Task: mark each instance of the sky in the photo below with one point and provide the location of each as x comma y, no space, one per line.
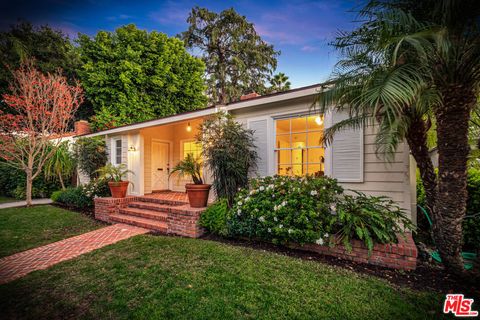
301,30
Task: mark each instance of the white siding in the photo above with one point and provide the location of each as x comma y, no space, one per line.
260,133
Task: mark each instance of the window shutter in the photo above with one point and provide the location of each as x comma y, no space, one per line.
260,134
347,152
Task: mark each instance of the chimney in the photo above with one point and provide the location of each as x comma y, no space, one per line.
249,96
82,127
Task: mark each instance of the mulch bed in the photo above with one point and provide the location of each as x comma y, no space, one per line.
426,277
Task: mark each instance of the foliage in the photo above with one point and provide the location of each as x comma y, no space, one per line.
115,173
82,197
12,183
41,106
91,155
369,219
61,165
27,228
132,75
229,152
279,83
189,167
50,48
284,209
238,61
214,219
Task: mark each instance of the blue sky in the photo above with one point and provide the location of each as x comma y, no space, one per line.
301,30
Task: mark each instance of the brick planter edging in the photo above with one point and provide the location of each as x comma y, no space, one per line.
401,255
105,207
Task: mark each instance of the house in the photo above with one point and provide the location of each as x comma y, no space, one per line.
288,138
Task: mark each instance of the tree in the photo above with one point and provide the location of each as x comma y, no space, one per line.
420,59
50,48
91,155
132,75
42,106
279,83
61,164
230,153
238,61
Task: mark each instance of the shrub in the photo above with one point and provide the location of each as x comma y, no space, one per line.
370,219
229,153
82,196
91,155
284,209
214,219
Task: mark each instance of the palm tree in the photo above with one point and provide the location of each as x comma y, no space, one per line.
279,83
61,164
409,62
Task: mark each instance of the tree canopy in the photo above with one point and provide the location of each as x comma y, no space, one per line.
279,83
238,60
132,75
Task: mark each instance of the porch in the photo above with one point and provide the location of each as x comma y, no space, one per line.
166,212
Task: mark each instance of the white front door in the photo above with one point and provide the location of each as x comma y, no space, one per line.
160,165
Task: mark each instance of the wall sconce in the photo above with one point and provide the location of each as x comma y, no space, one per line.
132,148
319,120
189,128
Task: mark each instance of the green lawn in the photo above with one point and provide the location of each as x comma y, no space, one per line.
157,277
4,199
26,228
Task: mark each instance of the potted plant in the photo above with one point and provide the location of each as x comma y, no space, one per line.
197,191
115,176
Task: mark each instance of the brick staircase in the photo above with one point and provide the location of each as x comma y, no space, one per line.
166,212
147,212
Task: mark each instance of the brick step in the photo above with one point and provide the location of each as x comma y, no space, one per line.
140,222
150,206
144,213
162,201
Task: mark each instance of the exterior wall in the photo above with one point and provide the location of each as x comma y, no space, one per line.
380,177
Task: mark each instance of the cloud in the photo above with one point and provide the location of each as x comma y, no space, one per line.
308,48
119,17
171,13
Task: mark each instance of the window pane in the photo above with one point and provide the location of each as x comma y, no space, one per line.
283,141
118,151
299,140
297,170
299,124
315,169
314,139
284,156
316,155
283,126
299,155
285,170
315,123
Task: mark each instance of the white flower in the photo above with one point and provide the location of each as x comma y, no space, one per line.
275,219
261,219
239,211
275,208
313,192
284,203
325,235
253,192
239,203
269,230
319,241
270,186
247,198
273,196
290,230
261,188
280,226
333,207
256,210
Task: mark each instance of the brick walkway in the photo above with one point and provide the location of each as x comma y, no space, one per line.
20,264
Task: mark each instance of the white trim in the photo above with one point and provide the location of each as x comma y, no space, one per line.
113,150
170,161
270,141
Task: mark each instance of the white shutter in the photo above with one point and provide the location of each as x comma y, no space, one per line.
346,152
260,134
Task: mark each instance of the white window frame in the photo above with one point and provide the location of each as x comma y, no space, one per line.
115,151
290,116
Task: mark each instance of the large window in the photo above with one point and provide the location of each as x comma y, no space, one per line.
118,151
191,147
298,146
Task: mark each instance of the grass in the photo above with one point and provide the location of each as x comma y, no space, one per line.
4,199
157,277
25,228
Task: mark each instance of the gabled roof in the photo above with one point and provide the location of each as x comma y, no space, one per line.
188,115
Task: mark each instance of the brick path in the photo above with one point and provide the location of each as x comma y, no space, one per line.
20,264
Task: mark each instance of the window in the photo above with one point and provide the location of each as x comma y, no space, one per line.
191,147
118,151
297,146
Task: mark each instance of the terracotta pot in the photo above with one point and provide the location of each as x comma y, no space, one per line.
198,194
118,189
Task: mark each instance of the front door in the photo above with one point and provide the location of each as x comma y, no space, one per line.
160,165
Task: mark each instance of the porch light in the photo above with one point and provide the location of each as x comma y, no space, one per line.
132,148
319,120
189,128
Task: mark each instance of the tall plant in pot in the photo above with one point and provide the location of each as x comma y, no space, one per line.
197,191
116,177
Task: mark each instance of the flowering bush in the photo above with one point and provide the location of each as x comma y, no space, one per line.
82,196
285,209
